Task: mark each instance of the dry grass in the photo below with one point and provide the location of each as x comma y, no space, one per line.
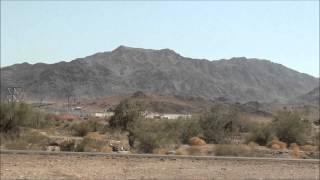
277,144
195,150
95,142
28,140
183,150
161,151
295,150
309,148
196,141
253,145
233,150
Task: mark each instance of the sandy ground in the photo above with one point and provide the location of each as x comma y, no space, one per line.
22,166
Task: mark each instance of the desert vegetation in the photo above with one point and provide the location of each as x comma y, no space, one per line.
14,115
221,131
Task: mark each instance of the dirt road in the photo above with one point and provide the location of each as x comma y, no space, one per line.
59,166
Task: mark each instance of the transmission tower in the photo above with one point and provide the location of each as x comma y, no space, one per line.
14,94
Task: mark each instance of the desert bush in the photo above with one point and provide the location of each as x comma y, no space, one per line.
196,141
194,150
29,140
7,121
219,124
316,139
183,150
289,127
39,119
261,134
233,150
277,144
80,129
95,142
83,128
15,115
309,148
68,146
161,151
253,145
295,150
126,113
188,128
153,134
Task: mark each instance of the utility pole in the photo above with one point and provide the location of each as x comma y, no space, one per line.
68,103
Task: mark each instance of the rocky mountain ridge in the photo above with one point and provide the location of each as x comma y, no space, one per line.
127,70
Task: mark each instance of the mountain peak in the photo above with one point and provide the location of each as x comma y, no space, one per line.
166,51
122,47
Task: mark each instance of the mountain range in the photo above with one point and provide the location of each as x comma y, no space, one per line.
127,70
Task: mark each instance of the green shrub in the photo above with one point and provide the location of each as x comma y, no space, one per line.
29,140
188,128
261,134
151,134
83,128
15,115
219,124
290,128
316,139
125,114
9,121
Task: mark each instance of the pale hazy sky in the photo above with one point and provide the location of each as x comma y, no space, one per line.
285,32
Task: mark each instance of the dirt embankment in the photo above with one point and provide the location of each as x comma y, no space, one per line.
21,166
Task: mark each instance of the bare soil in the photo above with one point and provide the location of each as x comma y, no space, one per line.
22,166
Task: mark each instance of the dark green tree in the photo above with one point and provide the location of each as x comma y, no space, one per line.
126,114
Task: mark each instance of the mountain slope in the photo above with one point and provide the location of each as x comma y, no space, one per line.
311,98
126,70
